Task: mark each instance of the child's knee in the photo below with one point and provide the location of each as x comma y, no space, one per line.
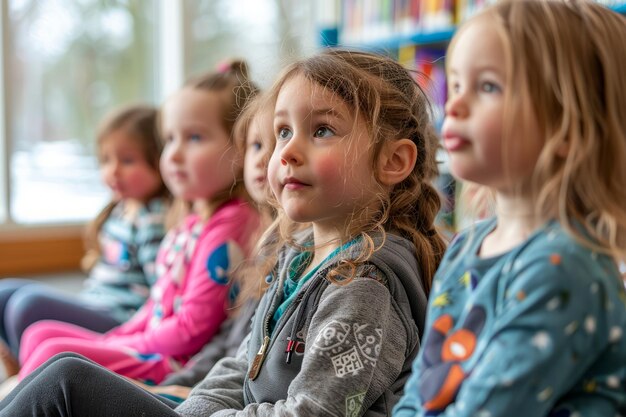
66,365
63,369
22,307
73,368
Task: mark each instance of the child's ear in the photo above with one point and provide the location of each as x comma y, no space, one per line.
397,161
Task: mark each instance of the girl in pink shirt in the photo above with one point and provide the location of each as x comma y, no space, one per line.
203,169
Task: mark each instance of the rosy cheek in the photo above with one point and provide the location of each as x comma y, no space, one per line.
148,175
329,168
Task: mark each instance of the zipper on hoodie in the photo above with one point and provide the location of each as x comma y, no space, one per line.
260,356
258,359
255,369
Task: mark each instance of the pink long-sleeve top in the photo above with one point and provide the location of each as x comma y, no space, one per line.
188,302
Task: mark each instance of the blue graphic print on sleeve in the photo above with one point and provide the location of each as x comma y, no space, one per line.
221,260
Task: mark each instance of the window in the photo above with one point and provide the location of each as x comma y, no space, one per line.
266,33
69,63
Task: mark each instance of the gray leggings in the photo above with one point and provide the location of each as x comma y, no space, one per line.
71,385
24,302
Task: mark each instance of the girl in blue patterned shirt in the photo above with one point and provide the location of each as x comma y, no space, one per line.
527,311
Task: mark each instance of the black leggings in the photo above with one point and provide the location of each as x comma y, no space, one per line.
71,385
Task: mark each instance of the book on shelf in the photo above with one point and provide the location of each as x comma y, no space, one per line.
369,21
436,15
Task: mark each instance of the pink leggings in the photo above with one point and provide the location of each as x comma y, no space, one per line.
46,338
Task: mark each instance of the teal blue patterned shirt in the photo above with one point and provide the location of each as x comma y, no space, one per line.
120,282
536,331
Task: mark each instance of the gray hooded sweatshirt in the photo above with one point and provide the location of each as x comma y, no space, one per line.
337,350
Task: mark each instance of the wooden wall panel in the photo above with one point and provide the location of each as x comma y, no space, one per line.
40,255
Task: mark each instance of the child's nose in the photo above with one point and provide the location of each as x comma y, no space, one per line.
175,150
456,106
261,162
115,168
292,152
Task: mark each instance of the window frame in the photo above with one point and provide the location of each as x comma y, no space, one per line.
5,143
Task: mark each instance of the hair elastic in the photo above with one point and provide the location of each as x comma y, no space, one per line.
223,67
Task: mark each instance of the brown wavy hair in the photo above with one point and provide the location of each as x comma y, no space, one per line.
393,106
565,64
139,122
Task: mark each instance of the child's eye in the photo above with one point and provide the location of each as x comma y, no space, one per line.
256,146
323,132
489,87
454,87
284,133
127,161
195,137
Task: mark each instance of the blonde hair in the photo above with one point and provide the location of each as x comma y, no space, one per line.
385,96
565,64
232,85
139,122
